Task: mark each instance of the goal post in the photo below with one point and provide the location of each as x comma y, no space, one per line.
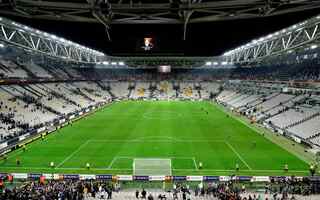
151,166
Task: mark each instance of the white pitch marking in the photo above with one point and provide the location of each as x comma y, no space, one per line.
239,156
112,161
73,153
259,132
155,140
195,163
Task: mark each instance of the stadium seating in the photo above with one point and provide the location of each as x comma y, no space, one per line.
208,89
140,91
119,89
289,113
308,128
10,69
164,90
291,116
32,105
36,71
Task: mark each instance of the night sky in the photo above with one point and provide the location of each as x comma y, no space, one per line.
205,39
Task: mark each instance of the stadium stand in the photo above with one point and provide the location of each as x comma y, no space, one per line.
288,113
47,83
36,71
94,190
9,69
49,101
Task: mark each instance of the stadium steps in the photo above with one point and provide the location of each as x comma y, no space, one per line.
251,103
25,68
58,95
54,72
4,68
266,99
131,89
38,102
103,87
51,71
8,69
234,101
177,90
10,92
281,103
250,98
36,89
111,94
280,111
26,92
67,72
152,89
31,91
78,91
151,92
106,88
199,89
285,109
314,136
25,98
303,120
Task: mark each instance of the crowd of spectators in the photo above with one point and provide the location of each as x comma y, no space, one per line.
279,190
59,190
94,189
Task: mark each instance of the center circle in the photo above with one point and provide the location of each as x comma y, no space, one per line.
162,115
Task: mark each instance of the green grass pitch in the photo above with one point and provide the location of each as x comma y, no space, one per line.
182,131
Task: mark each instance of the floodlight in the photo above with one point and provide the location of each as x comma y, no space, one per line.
208,63
314,46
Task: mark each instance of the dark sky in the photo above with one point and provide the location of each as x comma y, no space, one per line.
205,39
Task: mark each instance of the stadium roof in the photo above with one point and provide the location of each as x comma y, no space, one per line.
229,23
25,37
304,35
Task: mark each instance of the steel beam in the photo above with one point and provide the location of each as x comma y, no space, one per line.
35,40
299,36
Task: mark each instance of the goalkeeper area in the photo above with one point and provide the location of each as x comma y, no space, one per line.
160,137
151,166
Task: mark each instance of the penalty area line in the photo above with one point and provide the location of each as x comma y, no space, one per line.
239,156
73,153
195,163
112,161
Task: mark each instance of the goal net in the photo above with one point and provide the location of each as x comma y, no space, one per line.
151,166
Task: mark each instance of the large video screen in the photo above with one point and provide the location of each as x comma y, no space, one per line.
164,68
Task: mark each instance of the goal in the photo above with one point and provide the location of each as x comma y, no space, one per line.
151,166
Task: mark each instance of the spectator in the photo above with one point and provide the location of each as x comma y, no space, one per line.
143,194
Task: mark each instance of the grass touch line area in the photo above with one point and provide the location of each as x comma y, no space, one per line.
186,132
73,153
285,143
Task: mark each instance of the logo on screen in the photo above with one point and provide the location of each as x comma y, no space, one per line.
148,44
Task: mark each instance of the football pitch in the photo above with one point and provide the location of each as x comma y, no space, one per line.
185,132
